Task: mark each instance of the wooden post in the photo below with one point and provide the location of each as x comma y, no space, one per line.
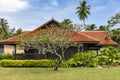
15,51
97,52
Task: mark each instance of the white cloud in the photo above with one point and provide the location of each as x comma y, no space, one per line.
54,2
48,8
98,9
13,5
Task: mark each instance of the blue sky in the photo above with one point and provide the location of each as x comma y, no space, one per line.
29,14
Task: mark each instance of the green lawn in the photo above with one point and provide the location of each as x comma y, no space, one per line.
62,74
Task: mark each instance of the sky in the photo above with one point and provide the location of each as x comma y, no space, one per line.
29,14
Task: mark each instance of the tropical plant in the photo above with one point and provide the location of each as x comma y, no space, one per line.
13,31
109,56
83,10
3,28
67,22
103,28
6,31
115,35
114,20
91,27
84,59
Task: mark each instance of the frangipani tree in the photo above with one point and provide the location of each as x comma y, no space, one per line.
50,40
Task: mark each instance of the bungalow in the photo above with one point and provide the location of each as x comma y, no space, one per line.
91,40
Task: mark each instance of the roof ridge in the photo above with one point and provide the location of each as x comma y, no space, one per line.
89,36
46,23
94,31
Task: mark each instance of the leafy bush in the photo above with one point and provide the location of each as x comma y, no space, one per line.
5,56
85,59
64,64
110,56
28,63
71,63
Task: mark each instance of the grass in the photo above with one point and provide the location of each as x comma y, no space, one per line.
62,74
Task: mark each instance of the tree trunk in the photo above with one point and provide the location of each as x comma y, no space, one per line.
59,62
84,24
63,58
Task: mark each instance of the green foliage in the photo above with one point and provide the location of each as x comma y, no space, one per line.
64,64
91,27
115,35
6,31
5,56
85,59
83,10
67,22
110,56
72,62
28,63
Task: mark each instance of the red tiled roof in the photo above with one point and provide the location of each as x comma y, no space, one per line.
83,38
15,38
100,37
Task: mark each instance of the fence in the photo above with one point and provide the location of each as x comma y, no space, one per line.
31,55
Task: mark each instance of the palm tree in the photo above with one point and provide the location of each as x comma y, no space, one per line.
3,28
83,10
67,22
91,27
3,24
103,28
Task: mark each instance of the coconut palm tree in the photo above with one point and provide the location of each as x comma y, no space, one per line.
3,24
83,10
67,22
103,28
3,28
91,27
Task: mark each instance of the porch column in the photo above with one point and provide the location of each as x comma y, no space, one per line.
14,53
97,52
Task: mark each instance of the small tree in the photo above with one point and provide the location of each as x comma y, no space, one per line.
50,40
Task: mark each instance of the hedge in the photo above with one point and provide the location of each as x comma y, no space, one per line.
28,63
5,56
109,56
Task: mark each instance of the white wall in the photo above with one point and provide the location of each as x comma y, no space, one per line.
8,49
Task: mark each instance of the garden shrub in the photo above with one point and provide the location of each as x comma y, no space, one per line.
0,62
71,63
28,63
5,56
64,64
85,59
110,56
